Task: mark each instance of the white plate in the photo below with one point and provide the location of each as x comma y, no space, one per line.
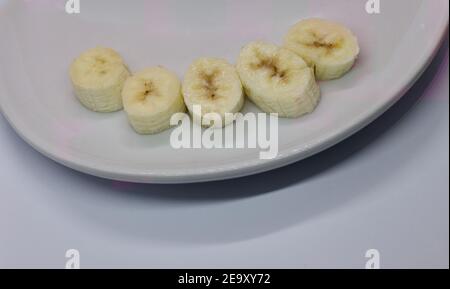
39,40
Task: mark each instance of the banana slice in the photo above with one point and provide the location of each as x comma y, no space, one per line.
277,80
98,76
150,98
214,85
327,46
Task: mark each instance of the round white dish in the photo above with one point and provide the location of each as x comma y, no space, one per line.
39,41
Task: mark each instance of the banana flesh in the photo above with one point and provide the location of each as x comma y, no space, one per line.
327,46
150,98
277,80
214,85
98,76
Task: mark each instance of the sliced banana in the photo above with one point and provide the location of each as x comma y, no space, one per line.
277,80
98,76
214,85
327,46
150,98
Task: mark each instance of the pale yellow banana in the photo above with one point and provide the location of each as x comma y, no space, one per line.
150,98
327,46
277,80
214,85
98,76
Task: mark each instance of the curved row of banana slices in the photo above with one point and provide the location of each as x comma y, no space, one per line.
277,79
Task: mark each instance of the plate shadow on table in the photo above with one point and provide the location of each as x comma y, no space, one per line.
227,211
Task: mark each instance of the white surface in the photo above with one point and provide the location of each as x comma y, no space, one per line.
39,40
387,188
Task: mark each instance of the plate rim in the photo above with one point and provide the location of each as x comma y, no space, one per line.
241,169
